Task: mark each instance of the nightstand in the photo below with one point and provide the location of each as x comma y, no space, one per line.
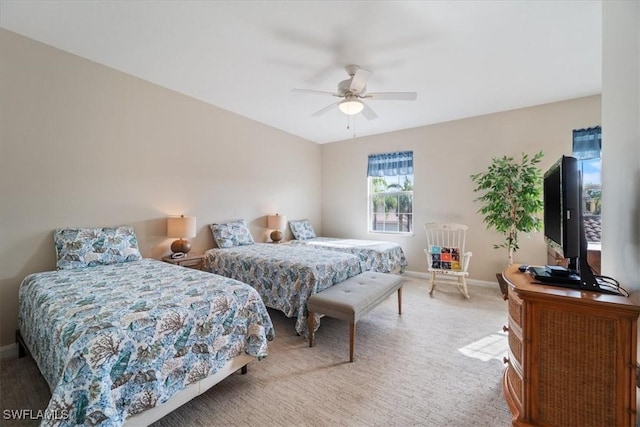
195,261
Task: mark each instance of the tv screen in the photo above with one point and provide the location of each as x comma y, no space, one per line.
562,200
562,194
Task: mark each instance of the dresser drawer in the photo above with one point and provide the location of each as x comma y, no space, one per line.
191,263
515,308
194,261
515,345
515,384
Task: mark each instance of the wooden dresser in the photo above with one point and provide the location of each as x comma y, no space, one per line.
572,355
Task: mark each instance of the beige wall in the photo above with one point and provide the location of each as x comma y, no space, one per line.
85,145
445,155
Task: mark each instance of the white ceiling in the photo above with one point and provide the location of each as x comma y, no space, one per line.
463,58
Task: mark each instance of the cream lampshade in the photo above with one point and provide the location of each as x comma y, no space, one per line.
182,227
276,223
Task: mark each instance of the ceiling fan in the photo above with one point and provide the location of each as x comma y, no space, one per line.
353,91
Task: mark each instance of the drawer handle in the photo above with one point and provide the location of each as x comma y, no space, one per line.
505,329
505,360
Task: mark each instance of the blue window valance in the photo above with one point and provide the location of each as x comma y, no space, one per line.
587,143
389,164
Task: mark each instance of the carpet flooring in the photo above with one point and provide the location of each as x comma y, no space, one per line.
438,364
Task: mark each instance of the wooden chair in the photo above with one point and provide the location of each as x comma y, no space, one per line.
446,253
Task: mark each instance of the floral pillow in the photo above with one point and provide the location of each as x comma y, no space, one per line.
88,247
302,229
232,234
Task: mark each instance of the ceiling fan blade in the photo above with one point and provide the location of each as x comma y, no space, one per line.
359,80
393,96
317,92
325,109
368,113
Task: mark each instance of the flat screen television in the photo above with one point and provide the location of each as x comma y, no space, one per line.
561,189
563,226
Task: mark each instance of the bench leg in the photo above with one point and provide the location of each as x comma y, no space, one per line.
311,324
352,340
400,300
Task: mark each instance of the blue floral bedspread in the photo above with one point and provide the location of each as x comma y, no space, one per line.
115,340
285,276
375,255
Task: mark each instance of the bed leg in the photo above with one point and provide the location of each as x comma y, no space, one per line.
22,348
244,370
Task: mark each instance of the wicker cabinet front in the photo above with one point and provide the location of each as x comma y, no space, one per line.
572,356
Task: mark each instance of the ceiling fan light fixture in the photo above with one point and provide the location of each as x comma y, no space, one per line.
350,106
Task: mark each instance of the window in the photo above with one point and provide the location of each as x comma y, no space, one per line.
587,148
390,183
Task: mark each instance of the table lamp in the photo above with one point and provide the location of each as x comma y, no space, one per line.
182,227
276,223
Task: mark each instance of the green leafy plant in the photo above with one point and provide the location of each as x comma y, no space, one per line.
512,199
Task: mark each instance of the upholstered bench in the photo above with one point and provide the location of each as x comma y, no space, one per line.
352,299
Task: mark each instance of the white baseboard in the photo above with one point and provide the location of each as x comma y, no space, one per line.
473,282
9,351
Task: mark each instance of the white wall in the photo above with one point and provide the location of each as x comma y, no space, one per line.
445,155
85,145
621,142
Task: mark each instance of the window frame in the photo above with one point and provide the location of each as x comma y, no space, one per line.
394,193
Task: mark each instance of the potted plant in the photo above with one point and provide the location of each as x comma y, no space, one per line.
512,199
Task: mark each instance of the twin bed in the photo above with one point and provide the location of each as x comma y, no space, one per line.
286,275
374,255
121,339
